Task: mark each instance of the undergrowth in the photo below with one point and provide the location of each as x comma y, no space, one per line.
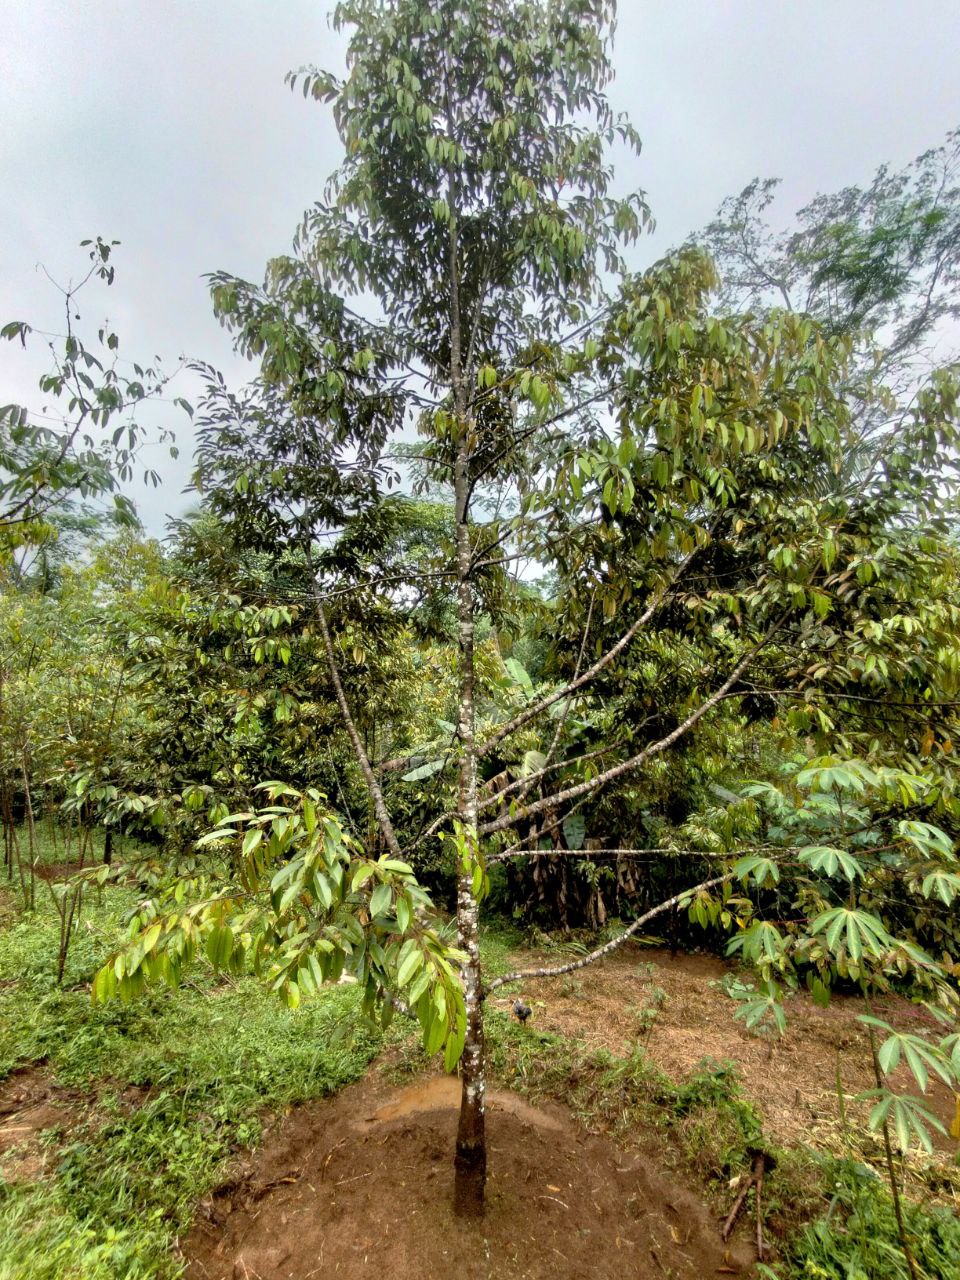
176,1081
857,1239
834,1218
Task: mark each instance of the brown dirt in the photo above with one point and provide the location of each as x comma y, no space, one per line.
30,1104
792,1081
60,871
361,1185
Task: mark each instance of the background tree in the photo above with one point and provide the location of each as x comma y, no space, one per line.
50,461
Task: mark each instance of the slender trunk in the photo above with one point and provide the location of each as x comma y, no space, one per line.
471,1158
6,817
31,834
108,846
891,1169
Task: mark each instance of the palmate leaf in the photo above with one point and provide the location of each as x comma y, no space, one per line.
911,1120
760,1007
858,931
827,773
831,861
927,838
763,871
762,943
944,885
919,1055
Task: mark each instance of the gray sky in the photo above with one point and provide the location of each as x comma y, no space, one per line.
165,124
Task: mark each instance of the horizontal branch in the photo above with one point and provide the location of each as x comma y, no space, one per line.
537,708
627,766
496,797
555,972
620,853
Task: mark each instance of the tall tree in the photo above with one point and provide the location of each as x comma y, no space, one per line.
473,205
669,465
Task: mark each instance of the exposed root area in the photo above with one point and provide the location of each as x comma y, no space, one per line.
362,1185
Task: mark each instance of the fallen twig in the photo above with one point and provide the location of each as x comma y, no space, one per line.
762,1161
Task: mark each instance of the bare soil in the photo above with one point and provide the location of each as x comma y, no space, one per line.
362,1185
30,1106
791,1080
60,871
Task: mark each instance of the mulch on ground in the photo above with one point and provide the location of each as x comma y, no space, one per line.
791,1079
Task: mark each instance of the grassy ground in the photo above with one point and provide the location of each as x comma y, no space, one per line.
173,1085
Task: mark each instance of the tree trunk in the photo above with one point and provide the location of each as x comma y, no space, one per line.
471,1158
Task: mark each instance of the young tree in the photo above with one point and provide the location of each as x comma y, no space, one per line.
670,466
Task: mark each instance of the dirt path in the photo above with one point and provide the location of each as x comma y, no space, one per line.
361,1186
792,1081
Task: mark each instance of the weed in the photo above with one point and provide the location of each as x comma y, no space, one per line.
646,1014
858,1237
570,988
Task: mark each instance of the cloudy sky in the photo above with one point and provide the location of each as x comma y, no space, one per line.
165,124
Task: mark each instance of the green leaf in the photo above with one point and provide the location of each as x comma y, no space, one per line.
533,762
763,870
424,771
574,831
361,875
453,1050
381,899
518,673
404,912
830,861
410,965
944,884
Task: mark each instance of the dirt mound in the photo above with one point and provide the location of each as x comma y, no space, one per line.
362,1185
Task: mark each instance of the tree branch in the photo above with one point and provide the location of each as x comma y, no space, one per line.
529,713
526,974
373,786
626,766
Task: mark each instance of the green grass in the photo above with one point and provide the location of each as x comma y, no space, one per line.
205,1060
857,1238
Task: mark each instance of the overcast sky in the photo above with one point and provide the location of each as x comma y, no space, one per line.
165,124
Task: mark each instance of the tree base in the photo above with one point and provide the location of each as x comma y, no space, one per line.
470,1180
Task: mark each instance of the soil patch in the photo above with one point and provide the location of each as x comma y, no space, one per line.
361,1185
60,871
30,1104
677,1010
